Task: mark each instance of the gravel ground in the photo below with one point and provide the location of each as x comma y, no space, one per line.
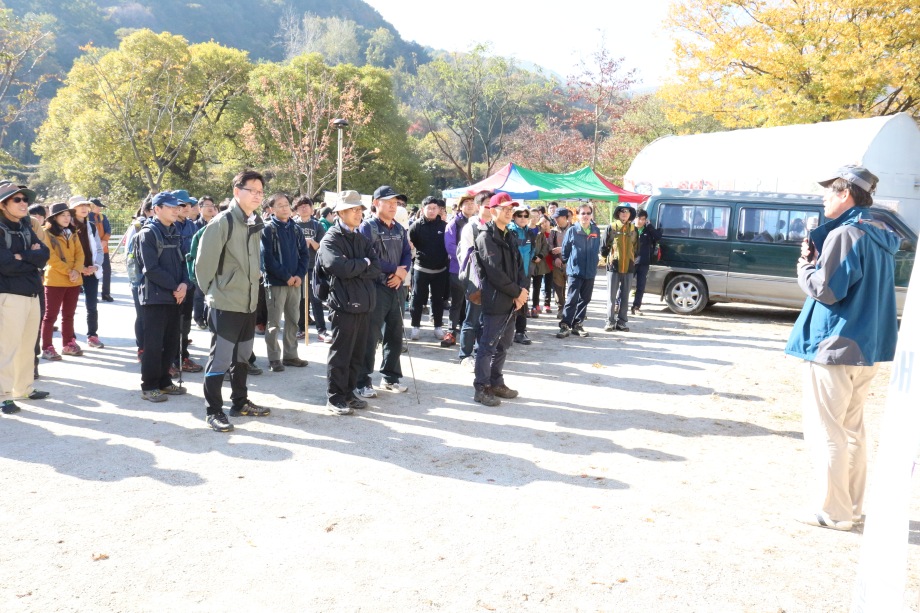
655,470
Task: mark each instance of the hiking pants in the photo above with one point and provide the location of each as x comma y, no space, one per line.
346,354
282,301
576,300
618,286
385,323
161,344
18,323
422,283
232,336
493,349
91,299
61,300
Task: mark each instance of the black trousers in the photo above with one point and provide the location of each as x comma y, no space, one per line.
457,303
187,307
106,275
161,344
385,323
346,354
422,284
641,276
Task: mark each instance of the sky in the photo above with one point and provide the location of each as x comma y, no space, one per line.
557,37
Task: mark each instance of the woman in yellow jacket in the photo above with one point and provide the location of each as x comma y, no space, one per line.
63,280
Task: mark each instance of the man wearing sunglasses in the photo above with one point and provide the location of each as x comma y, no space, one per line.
581,249
22,258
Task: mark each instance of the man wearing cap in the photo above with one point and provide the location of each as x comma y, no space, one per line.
466,250
561,220
504,291
163,291
92,271
22,258
104,231
348,258
847,326
580,250
186,228
619,248
228,267
429,275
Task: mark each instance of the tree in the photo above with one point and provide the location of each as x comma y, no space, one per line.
597,95
547,146
136,115
381,49
24,44
469,102
758,63
297,102
334,38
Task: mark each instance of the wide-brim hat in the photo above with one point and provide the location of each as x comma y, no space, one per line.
56,209
348,199
624,207
76,201
8,189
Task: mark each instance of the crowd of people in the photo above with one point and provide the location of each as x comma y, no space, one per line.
272,265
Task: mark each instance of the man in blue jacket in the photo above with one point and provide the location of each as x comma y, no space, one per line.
581,248
161,294
284,262
186,226
847,326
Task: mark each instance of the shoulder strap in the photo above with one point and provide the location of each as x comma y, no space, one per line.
223,250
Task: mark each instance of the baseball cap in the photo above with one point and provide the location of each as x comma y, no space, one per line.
561,212
8,188
97,202
165,199
857,175
349,199
384,192
501,199
184,197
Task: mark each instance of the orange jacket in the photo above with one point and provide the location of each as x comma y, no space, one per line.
66,255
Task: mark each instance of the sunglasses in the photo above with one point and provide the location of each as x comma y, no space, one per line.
19,199
521,215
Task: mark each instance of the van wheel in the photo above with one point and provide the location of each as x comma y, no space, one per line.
686,295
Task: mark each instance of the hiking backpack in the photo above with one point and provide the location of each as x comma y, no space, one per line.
134,264
193,249
25,233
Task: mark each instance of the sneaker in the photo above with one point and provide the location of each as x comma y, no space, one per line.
50,354
415,334
468,362
301,335
522,338
219,422
189,366
107,298
503,391
578,330
248,408
448,340
94,342
636,311
72,348
339,407
564,331
9,407
821,520
154,396
485,396
609,327
324,337
202,324
439,333
38,395
295,362
275,366
366,392
622,328
253,369
535,312
260,329
173,390
357,403
395,386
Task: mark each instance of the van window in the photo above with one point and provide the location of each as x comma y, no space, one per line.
776,225
694,220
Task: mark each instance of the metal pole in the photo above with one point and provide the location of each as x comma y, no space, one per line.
338,178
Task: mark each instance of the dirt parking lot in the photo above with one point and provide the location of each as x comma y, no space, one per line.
655,470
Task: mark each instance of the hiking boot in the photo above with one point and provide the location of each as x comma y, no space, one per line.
485,396
94,342
564,331
503,391
50,354
415,334
522,338
107,298
609,327
578,330
189,366
366,392
275,366
252,369
173,390
395,386
357,403
448,340
219,422
295,362
72,348
635,311
154,396
248,408
9,407
622,328
301,335
38,395
339,407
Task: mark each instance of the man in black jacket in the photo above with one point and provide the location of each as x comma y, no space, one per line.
22,258
648,247
161,294
430,270
504,291
349,259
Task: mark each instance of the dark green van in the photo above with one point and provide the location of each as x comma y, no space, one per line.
721,246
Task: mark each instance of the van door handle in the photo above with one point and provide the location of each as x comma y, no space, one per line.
739,251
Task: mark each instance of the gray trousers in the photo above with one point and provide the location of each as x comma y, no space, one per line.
618,283
282,300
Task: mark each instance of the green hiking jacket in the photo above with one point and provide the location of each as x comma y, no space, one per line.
236,288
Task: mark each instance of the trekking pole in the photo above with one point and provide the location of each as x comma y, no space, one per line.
501,331
181,340
411,367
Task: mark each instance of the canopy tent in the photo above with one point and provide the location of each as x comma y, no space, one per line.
625,195
526,184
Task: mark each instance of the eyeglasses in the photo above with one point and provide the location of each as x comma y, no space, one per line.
19,199
584,213
254,192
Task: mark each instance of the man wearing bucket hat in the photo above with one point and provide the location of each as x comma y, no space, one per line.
348,259
619,248
92,266
847,326
22,258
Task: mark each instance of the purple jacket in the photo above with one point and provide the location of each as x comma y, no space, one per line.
451,238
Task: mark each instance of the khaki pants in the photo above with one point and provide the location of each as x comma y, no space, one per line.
19,317
832,415
283,301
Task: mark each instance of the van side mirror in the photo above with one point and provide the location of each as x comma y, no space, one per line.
908,245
